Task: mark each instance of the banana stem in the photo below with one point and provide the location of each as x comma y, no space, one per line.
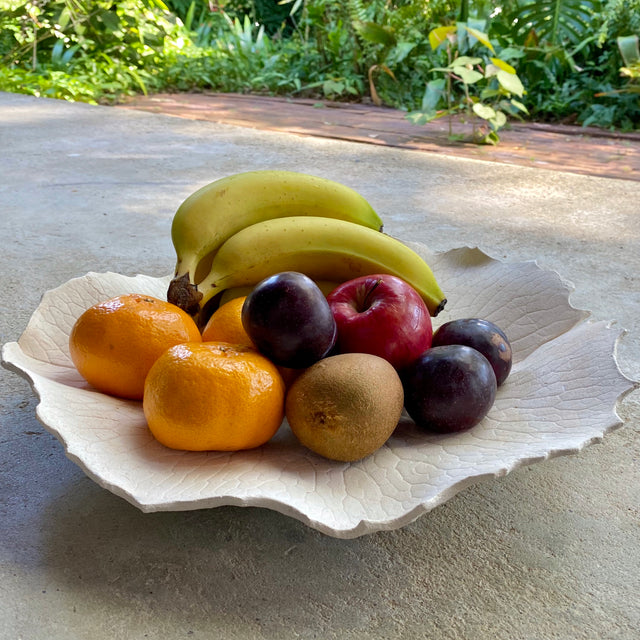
435,310
184,294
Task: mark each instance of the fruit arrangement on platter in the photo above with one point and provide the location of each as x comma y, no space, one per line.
561,396
289,300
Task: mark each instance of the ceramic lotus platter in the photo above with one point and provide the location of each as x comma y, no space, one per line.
561,396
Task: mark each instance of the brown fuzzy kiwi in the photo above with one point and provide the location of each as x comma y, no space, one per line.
346,406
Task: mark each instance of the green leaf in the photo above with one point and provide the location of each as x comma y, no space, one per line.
188,20
491,138
490,93
433,93
518,105
490,70
68,54
465,60
510,82
499,121
632,72
332,86
501,64
65,18
109,19
400,52
375,33
439,35
468,76
629,49
484,111
481,37
296,5
509,53
136,76
556,21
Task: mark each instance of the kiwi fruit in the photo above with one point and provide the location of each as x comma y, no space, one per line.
345,407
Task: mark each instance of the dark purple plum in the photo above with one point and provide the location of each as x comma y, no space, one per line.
449,388
289,320
482,335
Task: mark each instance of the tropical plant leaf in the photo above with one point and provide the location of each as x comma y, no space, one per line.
468,76
480,37
64,19
433,93
490,70
188,19
484,111
509,53
400,51
501,64
499,120
332,87
557,20
375,33
518,105
490,93
296,5
439,35
629,49
510,82
463,61
491,138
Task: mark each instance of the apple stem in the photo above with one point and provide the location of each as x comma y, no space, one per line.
365,301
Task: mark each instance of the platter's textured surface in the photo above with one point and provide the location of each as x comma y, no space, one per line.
561,396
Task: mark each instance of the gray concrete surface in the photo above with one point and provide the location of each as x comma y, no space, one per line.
551,551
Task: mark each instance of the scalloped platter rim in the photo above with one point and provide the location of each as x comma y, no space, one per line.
561,396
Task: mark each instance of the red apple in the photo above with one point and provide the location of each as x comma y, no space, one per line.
382,315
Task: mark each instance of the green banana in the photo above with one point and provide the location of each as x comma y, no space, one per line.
215,212
323,249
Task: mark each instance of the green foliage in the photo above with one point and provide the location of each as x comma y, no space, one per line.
51,84
476,82
127,30
619,18
629,47
63,48
571,70
565,51
556,21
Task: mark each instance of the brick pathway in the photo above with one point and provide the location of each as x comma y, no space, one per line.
587,151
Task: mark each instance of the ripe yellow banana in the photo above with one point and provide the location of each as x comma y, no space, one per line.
323,249
213,213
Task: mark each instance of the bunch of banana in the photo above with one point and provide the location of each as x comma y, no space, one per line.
217,211
247,227
323,249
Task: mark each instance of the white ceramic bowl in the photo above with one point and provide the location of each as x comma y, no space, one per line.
561,396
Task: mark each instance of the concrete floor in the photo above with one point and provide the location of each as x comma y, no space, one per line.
549,551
